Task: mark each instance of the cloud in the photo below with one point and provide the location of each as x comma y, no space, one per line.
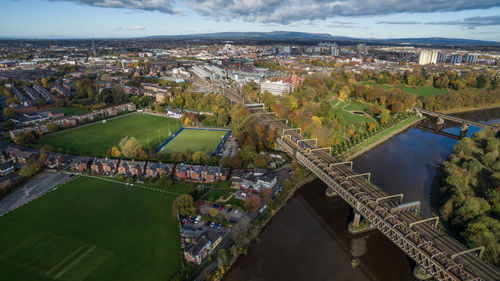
164,6
287,11
398,22
471,22
136,28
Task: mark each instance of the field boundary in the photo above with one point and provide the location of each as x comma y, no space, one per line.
134,185
228,132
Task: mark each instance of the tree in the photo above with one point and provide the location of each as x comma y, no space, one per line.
131,148
31,168
8,125
200,157
24,138
252,203
115,152
165,181
183,204
247,154
481,81
10,112
344,93
240,230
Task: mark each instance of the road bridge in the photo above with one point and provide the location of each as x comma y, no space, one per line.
441,117
432,249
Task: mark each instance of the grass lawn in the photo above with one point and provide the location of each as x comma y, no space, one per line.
217,193
424,91
195,140
97,138
351,118
90,229
357,106
235,202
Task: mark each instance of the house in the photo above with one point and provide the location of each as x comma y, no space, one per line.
81,164
55,114
54,161
155,170
182,171
197,173
24,156
96,166
267,180
109,166
123,168
6,169
197,251
136,168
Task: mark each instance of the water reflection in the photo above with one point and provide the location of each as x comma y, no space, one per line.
308,239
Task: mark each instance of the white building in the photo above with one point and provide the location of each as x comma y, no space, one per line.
428,57
276,88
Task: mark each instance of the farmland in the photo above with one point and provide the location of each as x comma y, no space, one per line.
97,138
91,229
195,140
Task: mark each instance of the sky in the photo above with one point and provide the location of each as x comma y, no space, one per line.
471,19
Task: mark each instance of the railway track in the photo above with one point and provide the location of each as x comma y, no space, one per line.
427,245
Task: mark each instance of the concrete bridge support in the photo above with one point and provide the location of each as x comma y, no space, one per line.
440,121
420,273
330,193
358,226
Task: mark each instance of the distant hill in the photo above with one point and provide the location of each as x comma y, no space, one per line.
291,35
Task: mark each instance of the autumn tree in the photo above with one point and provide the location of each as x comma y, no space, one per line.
31,168
10,112
130,147
183,204
252,203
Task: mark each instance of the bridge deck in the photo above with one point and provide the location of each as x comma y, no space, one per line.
457,119
428,246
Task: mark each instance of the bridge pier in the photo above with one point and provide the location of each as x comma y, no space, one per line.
440,121
420,273
358,226
330,193
464,129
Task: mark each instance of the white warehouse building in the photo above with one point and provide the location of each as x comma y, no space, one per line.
276,88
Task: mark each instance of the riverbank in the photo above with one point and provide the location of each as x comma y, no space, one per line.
468,109
259,224
379,138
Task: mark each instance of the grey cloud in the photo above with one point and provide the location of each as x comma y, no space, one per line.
398,22
287,11
164,6
471,22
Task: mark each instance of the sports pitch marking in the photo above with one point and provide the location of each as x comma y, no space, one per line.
228,132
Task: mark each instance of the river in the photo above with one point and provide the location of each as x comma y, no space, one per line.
308,239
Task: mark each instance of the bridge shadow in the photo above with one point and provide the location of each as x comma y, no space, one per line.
375,255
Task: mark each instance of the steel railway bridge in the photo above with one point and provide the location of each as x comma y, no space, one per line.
436,252
465,123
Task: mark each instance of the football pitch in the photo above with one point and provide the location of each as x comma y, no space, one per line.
91,229
195,140
97,138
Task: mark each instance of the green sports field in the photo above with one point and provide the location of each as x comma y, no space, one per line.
195,140
91,229
96,139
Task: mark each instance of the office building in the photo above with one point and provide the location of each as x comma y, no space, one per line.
428,57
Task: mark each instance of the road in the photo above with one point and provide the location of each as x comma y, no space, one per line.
36,187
